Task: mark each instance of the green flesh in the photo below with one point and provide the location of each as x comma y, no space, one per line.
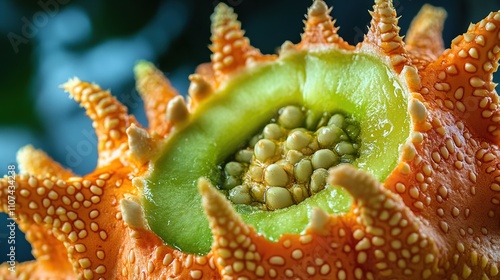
333,80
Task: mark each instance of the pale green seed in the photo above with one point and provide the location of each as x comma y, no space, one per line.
337,120
291,117
327,136
311,120
303,170
316,120
306,155
230,182
240,195
257,192
344,148
352,131
294,156
275,176
272,131
254,140
256,173
318,180
277,198
313,146
297,140
264,149
286,166
348,158
234,168
324,158
244,155
323,121
299,193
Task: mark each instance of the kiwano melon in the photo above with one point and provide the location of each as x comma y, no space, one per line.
325,161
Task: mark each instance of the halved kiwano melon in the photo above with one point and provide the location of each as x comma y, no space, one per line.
326,161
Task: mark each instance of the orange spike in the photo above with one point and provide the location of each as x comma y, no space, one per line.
51,268
42,231
36,162
384,33
240,251
61,219
465,73
387,224
320,29
109,116
228,228
72,235
156,91
424,40
50,253
231,49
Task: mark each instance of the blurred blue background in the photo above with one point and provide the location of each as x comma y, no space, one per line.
46,42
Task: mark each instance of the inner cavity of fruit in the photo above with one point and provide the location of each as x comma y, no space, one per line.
287,161
213,135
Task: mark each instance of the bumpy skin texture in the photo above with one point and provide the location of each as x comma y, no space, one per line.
435,217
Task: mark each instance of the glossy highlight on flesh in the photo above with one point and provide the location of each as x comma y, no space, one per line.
432,213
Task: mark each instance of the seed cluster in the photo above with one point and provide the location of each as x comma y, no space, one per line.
288,160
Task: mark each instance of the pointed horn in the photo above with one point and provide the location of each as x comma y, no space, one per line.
465,77
387,224
424,38
109,116
231,235
384,33
37,162
50,254
44,215
320,28
240,251
156,91
231,49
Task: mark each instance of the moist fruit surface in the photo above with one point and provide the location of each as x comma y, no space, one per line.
326,161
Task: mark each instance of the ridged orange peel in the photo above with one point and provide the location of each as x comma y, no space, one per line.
435,216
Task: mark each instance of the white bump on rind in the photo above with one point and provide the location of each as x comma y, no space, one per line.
286,49
417,110
412,79
142,146
199,88
132,213
319,219
408,151
177,110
